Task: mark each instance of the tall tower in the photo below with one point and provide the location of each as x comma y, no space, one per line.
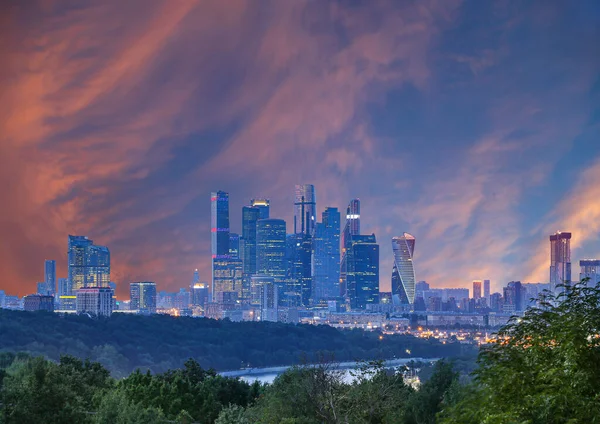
89,265
326,256
250,217
270,250
305,209
403,272
361,284
590,268
477,289
351,229
50,276
560,259
219,231
486,290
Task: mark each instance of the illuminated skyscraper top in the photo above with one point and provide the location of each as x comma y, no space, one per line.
560,259
403,272
89,265
305,209
263,205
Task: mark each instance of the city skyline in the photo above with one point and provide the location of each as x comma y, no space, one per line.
472,125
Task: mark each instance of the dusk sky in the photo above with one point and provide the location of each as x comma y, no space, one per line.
473,125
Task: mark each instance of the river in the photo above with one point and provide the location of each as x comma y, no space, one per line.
268,374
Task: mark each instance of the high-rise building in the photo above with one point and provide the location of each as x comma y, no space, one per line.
351,229
219,220
590,269
486,290
513,296
227,277
361,273
41,289
63,287
263,206
268,297
199,294
143,297
89,265
403,272
36,302
477,289
271,250
50,276
298,291
95,301
326,256
234,245
560,259
250,216
305,209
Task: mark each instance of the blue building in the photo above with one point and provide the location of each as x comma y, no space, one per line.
250,216
299,270
219,219
271,251
89,265
263,205
142,297
50,276
326,256
362,272
403,272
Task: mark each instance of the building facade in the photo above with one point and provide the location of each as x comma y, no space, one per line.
477,289
271,251
88,264
263,206
362,272
560,260
142,297
95,301
250,217
590,269
403,272
50,276
326,256
219,231
36,302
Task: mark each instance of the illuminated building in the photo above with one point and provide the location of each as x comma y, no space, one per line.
67,302
142,297
263,207
326,256
486,290
95,301
36,302
50,276
298,290
89,265
403,272
477,289
268,300
199,294
351,228
219,219
234,245
590,268
305,209
560,259
362,272
271,250
227,276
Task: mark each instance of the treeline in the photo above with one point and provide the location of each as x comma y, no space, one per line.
35,390
158,343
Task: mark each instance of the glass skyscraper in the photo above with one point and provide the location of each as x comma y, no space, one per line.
271,250
142,297
326,256
250,216
403,272
305,209
351,229
234,245
89,265
50,276
560,260
362,272
299,278
219,220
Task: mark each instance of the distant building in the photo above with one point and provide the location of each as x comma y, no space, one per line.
219,219
227,276
143,297
486,290
95,301
271,251
513,296
63,287
41,289
496,302
305,209
590,268
50,276
182,299
199,294
263,206
560,259
2,297
477,289
326,256
250,217
361,274
298,289
403,271
268,300
36,302
89,265
67,302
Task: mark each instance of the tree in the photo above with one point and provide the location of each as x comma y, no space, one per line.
543,367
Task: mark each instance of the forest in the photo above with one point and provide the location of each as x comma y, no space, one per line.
124,343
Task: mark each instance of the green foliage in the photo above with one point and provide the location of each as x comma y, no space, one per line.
544,368
233,414
125,342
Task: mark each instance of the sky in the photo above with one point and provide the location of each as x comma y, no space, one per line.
474,126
